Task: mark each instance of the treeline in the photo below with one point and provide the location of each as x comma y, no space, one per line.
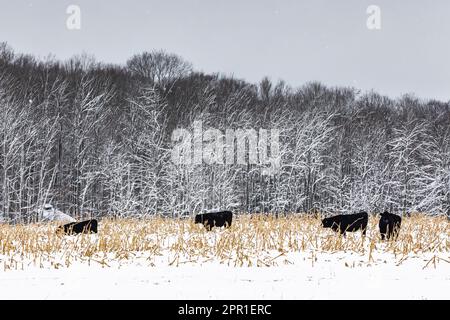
95,139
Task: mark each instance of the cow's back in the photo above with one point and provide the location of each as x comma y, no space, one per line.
356,221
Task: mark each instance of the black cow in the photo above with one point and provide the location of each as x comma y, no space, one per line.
389,225
88,226
215,219
348,222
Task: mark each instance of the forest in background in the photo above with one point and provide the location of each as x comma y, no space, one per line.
94,139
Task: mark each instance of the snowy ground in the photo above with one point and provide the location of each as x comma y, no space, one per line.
328,278
292,258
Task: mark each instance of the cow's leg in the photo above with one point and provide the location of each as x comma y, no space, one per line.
396,232
391,232
342,230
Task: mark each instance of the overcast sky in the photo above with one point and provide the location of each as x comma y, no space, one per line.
294,40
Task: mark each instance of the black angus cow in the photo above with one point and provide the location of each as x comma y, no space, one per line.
347,223
215,219
88,226
389,225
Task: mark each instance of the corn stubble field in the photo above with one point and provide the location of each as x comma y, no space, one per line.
252,241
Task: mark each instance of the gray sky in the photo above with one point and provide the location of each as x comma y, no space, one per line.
297,41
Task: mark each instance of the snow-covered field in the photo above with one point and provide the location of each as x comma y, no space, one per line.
279,260
324,280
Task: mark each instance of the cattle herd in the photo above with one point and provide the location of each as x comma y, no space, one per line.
389,223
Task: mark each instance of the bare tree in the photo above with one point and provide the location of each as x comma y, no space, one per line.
96,140
159,67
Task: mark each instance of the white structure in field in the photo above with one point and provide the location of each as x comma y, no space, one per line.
49,213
